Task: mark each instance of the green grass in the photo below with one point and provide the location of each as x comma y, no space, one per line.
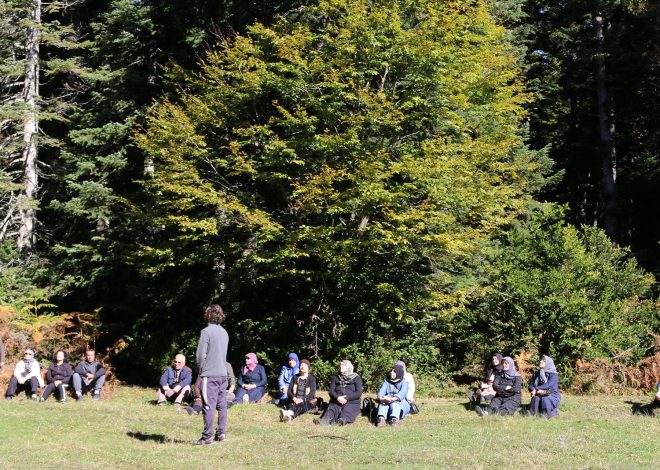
126,431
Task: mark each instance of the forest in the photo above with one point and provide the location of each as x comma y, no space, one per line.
426,180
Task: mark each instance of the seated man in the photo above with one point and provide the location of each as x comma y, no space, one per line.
175,382
27,376
88,375
196,407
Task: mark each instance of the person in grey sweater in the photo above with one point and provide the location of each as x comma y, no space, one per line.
88,375
212,365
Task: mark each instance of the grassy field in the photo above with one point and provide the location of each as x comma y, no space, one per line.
126,431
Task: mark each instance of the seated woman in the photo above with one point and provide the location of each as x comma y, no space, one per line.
393,405
251,381
507,386
27,376
287,373
58,377
345,391
485,390
301,393
408,377
544,388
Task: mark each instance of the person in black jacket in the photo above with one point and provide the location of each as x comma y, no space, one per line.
301,393
345,391
507,386
58,377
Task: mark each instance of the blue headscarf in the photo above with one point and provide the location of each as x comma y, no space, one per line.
296,369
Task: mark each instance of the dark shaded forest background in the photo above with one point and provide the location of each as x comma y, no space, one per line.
430,181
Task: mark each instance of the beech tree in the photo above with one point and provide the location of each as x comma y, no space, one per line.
357,155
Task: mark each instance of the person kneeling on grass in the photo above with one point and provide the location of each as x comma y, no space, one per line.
287,373
58,377
88,375
507,386
345,391
251,381
393,405
301,393
197,406
544,388
175,382
27,376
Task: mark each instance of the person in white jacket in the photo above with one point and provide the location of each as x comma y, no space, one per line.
407,376
27,376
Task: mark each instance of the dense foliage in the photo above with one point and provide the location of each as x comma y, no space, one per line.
348,178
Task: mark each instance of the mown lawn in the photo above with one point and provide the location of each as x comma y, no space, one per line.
126,431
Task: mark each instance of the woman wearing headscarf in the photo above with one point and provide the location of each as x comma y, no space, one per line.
485,390
251,381
393,405
408,377
301,394
58,377
507,386
544,388
345,391
27,376
288,371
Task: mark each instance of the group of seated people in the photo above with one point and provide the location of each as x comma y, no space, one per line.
297,388
502,388
88,376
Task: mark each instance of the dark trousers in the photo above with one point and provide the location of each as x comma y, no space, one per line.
214,398
301,408
31,386
60,391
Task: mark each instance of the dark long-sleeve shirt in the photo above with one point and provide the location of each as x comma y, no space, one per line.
61,372
169,377
310,388
257,376
501,382
352,390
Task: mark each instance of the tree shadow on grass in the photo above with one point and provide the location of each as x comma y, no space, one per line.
159,438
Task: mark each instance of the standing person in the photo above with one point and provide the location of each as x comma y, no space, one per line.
175,382
212,363
301,393
287,373
88,375
393,404
544,388
345,391
58,377
507,386
27,376
196,407
252,381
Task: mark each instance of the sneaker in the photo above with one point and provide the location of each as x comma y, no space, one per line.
9,398
220,437
286,415
97,395
78,396
160,403
63,400
34,397
203,441
191,411
282,415
480,411
394,422
381,422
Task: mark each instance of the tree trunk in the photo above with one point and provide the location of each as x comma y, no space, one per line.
607,132
27,207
